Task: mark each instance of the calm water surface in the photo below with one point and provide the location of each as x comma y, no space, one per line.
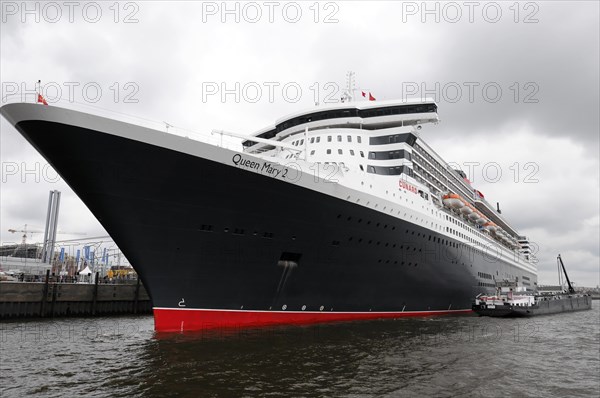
466,356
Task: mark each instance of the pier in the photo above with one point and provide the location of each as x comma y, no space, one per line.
52,297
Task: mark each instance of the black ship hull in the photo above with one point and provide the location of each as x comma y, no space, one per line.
551,305
220,246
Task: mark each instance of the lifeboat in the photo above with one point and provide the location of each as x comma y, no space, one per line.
453,201
490,227
481,219
474,214
466,210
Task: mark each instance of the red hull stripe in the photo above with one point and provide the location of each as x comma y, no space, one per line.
184,319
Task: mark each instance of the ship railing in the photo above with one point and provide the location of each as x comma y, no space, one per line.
93,109
508,251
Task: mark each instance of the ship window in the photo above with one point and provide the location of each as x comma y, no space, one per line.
361,167
396,138
302,142
340,151
312,140
329,151
352,152
339,138
349,138
328,138
362,154
312,152
358,139
371,155
318,139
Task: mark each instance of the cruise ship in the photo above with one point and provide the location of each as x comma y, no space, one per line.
338,213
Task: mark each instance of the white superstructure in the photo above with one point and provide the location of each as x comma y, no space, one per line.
374,148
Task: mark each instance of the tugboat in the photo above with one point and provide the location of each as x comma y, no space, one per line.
513,300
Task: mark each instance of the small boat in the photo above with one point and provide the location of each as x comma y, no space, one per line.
514,300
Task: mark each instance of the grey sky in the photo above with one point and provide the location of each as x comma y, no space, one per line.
550,126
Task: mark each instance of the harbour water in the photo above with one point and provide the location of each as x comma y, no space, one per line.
462,356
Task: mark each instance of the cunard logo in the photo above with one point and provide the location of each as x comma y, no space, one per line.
409,187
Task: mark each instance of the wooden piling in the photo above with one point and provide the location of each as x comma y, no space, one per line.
95,294
44,295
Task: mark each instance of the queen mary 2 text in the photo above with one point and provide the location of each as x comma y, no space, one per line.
261,167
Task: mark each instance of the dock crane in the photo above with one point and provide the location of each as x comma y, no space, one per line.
561,264
26,231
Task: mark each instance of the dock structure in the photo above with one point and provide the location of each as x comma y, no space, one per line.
57,299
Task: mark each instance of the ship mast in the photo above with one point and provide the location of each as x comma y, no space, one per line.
348,94
561,264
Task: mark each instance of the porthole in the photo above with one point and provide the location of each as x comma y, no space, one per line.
284,307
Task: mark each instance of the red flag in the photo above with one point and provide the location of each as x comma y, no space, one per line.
371,98
363,94
41,99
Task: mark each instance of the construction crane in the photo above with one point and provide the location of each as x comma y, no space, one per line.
26,231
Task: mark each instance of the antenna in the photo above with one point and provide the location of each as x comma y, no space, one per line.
348,94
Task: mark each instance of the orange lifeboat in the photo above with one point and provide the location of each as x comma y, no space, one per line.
453,201
474,215
490,227
481,220
466,209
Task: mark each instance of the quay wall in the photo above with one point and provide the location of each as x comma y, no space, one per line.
56,299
